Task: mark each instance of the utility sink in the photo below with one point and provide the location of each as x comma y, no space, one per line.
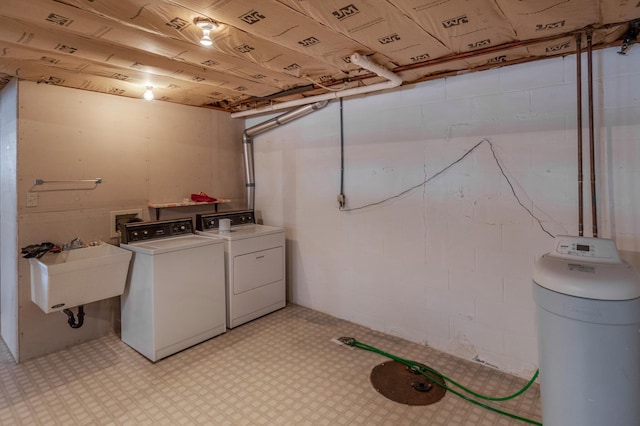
77,277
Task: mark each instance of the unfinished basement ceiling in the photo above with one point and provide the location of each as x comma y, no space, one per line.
270,51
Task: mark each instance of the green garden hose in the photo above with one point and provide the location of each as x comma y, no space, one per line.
429,373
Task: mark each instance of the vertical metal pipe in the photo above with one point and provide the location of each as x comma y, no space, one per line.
592,150
579,112
247,141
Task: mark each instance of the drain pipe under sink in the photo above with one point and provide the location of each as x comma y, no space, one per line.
72,320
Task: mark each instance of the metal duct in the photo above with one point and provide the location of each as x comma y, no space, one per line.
247,141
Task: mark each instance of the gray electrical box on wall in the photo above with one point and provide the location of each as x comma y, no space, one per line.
121,217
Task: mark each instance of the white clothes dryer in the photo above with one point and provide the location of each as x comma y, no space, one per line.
175,293
254,264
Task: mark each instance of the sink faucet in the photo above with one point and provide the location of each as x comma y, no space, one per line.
76,243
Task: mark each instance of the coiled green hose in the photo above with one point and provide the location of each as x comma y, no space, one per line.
429,373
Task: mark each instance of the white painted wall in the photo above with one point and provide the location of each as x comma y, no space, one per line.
449,264
143,151
9,216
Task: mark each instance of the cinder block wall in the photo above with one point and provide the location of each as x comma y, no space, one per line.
449,264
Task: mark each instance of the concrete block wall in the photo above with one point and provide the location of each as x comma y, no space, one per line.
449,264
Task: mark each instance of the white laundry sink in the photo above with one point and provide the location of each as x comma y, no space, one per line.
77,277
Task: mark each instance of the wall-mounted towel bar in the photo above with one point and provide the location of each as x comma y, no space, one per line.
41,181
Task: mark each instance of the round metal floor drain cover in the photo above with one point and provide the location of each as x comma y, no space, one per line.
398,383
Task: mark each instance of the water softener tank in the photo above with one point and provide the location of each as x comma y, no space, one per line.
588,317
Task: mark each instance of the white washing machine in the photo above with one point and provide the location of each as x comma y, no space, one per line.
254,264
175,292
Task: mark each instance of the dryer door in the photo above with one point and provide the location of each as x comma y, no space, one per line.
258,269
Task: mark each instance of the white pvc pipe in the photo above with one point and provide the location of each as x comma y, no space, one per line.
393,80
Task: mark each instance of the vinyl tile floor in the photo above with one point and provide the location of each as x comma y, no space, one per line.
281,369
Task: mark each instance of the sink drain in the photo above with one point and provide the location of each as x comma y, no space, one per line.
398,383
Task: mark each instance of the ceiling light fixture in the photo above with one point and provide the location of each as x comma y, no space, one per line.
148,94
207,25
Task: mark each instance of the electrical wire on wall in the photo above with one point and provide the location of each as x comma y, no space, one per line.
441,171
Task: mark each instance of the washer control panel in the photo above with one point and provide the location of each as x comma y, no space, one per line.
593,249
211,221
141,231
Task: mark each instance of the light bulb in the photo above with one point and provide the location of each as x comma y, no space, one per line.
148,94
206,40
206,25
